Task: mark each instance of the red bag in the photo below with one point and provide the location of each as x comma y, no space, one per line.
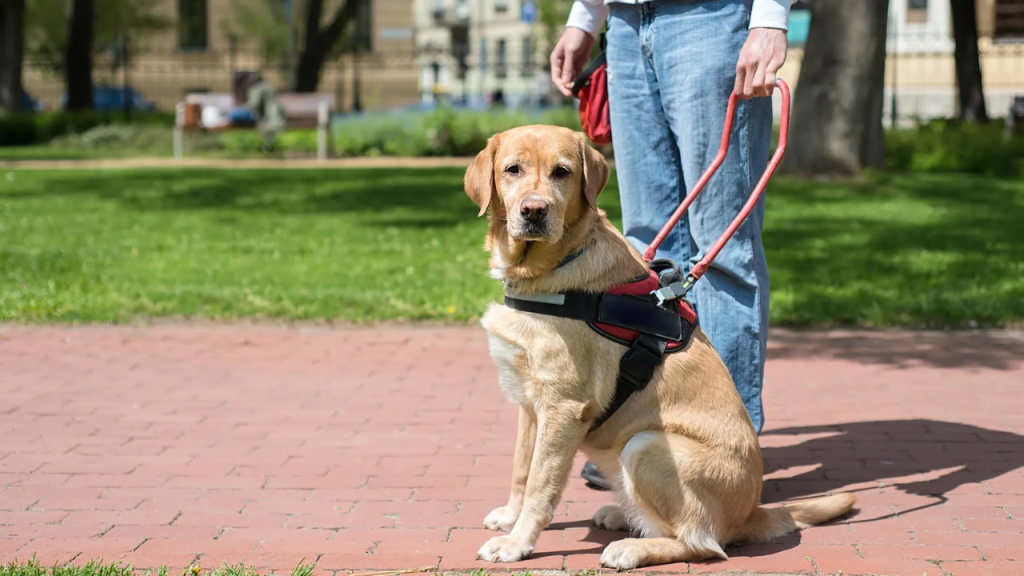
592,90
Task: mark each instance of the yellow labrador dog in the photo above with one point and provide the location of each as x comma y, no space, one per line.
682,452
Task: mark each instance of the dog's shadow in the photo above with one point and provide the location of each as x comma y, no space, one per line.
843,456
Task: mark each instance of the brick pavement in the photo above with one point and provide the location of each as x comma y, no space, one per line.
384,448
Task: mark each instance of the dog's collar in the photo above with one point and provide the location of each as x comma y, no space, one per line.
499,273
575,253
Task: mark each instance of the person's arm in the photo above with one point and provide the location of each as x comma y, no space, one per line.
569,56
765,49
770,14
588,15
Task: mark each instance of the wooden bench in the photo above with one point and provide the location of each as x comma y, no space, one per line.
301,111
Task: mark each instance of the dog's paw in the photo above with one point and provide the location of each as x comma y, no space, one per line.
623,554
504,549
610,518
500,520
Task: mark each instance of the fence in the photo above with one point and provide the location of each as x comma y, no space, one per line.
163,78
920,77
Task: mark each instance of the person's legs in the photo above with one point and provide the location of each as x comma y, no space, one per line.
695,49
647,160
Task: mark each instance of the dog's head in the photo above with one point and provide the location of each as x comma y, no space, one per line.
537,180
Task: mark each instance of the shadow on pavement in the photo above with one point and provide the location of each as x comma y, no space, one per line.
969,349
948,454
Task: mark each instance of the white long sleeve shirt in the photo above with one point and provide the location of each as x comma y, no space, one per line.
589,15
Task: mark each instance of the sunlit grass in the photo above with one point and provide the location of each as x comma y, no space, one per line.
371,245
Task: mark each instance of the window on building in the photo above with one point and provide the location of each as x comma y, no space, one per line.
917,11
462,10
528,56
501,5
501,60
1009,20
193,19
483,54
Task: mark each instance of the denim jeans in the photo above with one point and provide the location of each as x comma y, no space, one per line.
671,68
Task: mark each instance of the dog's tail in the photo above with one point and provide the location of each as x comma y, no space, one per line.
764,524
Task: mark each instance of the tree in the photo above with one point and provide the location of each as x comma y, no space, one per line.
12,28
115,21
46,32
968,61
279,35
266,20
78,56
837,108
320,43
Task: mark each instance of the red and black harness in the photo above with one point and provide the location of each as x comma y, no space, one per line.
650,315
642,315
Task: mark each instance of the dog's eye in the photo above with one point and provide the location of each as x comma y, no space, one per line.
561,172
512,169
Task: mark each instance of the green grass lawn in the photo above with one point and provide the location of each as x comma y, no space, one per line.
369,245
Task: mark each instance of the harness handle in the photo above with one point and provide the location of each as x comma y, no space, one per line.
701,267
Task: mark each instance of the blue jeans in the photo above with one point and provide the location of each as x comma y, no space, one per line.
671,68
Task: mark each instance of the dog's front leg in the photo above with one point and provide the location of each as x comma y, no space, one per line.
559,433
504,518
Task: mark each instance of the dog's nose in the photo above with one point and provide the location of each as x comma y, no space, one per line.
533,208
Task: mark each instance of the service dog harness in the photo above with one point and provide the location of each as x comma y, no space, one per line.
635,314
650,315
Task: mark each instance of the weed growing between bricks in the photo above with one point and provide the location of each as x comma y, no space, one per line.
98,568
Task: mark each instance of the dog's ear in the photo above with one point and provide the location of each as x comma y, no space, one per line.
479,179
595,171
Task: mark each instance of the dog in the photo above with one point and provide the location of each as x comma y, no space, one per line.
682,453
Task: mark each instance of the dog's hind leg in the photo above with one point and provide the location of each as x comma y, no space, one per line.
635,552
610,518
664,501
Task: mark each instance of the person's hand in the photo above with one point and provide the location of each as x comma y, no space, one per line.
761,57
569,58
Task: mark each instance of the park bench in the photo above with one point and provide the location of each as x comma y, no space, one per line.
301,111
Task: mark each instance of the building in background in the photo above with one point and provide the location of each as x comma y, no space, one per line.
919,68
470,51
197,52
467,50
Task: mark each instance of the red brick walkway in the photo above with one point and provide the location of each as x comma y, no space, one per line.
384,448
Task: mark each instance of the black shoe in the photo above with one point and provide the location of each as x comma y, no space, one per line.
595,481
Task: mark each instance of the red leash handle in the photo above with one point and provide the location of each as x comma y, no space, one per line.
780,150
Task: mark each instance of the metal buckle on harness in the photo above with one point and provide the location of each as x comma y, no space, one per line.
670,292
639,362
675,290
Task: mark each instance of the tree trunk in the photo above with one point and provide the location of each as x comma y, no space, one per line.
837,108
78,56
317,43
12,52
968,61
311,62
